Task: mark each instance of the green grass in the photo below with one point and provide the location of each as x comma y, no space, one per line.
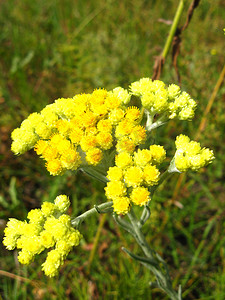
59,48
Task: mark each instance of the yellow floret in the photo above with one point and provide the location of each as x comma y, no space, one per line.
64,127
142,157
115,189
63,146
52,263
124,128
181,162
115,173
151,174
104,140
88,119
35,216
46,239
140,196
121,205
141,86
122,94
158,153
138,135
104,125
70,159
123,160
54,167
116,115
181,141
88,142
133,114
112,101
94,156
125,144
50,153
48,208
62,203
76,135
41,146
43,130
133,176
25,257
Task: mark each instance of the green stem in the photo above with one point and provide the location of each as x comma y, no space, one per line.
173,29
164,281
102,208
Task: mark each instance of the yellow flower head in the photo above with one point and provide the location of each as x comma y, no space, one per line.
115,173
54,167
104,125
142,157
133,176
123,160
104,140
151,174
116,115
122,94
133,114
140,196
138,135
125,144
121,205
158,153
115,189
94,156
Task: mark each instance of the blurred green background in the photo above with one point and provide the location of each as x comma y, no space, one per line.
58,48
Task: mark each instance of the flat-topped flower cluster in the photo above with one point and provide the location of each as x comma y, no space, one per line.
47,227
80,131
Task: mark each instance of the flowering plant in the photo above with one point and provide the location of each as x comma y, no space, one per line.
107,137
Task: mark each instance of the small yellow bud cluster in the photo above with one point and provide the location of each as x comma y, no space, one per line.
157,98
47,227
190,155
130,178
128,132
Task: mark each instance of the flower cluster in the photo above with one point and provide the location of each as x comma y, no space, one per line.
131,177
190,155
76,131
47,227
157,98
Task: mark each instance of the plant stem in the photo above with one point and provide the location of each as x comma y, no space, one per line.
163,280
173,29
102,208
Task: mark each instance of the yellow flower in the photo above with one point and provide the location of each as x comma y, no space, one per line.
124,128
94,156
140,196
151,174
121,205
115,173
115,189
123,160
54,167
138,135
104,125
133,114
133,176
158,153
142,157
76,135
104,140
88,142
125,144
41,146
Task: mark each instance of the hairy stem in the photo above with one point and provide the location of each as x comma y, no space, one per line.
101,209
